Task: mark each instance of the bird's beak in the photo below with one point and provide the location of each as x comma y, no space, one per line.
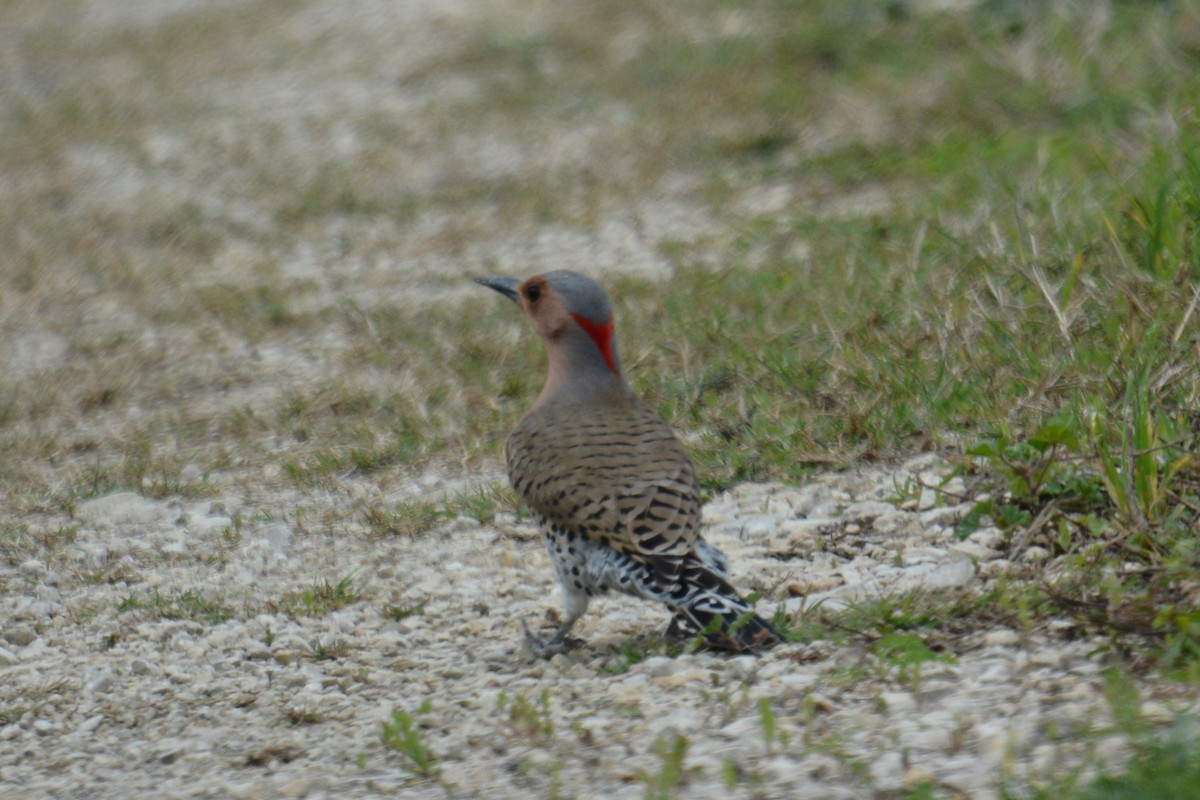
505,286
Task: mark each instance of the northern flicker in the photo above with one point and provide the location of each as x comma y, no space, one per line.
612,488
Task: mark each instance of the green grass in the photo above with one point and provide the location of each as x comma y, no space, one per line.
186,604
1163,763
403,736
323,597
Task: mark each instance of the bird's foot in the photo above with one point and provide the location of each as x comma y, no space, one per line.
549,648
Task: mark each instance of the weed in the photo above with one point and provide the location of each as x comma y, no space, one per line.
904,653
671,749
771,733
399,612
323,597
528,718
402,736
730,703
187,604
303,716
414,517
1117,501
1163,763
328,651
635,651
407,519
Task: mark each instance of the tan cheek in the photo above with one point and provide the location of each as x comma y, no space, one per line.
546,325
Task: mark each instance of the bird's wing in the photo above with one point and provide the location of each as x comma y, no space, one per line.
626,481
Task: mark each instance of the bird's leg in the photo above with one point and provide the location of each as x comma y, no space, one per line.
575,605
558,643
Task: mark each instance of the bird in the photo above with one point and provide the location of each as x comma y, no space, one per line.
612,488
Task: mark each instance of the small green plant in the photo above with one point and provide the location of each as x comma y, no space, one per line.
1163,764
638,650
528,718
323,596
771,733
409,518
414,517
1117,496
731,704
303,716
188,604
401,735
397,612
904,653
671,749
1041,472
328,651
482,503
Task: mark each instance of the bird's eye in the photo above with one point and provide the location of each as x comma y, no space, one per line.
532,293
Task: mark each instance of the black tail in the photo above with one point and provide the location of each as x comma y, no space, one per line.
707,605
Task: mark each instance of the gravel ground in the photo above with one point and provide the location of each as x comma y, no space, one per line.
129,703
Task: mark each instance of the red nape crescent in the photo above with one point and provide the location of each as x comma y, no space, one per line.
602,335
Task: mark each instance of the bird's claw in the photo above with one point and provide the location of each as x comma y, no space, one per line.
558,643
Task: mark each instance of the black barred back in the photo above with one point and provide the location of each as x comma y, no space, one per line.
611,471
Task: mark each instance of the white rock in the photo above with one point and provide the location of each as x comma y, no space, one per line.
898,523
99,680
757,529
974,550
925,462
867,511
916,776
945,516
278,534
946,575
927,500
887,772
1156,713
20,634
1035,554
997,567
991,537
123,509
139,666
1001,638
806,531
899,704
827,509
929,739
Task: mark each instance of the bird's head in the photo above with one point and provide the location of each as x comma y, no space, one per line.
569,311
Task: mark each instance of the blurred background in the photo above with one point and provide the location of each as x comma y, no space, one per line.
239,234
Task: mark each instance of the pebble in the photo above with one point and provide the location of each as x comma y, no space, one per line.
20,634
1035,554
1001,638
867,511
